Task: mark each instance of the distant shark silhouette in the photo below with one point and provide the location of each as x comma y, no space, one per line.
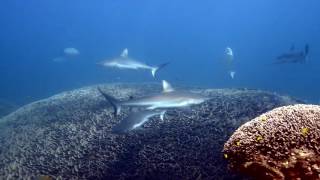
68,54
293,56
229,57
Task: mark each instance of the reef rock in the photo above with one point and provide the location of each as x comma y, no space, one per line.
68,136
281,144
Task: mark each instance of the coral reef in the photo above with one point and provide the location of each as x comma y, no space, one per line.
281,144
68,136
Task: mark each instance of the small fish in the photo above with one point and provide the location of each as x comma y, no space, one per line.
136,120
169,98
125,62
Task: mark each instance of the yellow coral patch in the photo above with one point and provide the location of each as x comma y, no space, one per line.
263,118
225,156
44,177
238,143
259,138
285,164
305,131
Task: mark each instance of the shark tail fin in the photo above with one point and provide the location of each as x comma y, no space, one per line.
114,102
154,70
306,52
306,49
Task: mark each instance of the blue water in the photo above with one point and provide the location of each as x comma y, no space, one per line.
192,35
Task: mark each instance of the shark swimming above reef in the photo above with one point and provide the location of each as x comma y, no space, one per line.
229,56
125,62
169,98
293,56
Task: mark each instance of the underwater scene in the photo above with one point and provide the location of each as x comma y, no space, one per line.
160,89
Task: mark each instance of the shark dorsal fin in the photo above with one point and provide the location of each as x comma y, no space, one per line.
166,87
124,53
162,115
232,73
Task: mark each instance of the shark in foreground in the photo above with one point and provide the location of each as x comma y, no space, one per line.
293,56
125,62
169,98
136,120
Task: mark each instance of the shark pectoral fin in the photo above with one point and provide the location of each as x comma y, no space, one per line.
139,128
166,87
118,110
124,53
152,107
135,126
153,71
162,115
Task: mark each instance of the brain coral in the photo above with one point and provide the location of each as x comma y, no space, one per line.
68,136
281,144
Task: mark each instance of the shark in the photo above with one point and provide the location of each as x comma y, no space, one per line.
230,59
168,98
293,56
136,120
229,54
125,62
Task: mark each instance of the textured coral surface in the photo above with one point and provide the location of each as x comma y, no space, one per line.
281,144
68,136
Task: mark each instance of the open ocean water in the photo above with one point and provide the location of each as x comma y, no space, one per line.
51,46
191,35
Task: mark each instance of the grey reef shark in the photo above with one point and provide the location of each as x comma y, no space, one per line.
155,104
125,62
